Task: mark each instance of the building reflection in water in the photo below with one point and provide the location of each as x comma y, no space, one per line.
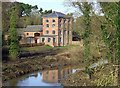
54,76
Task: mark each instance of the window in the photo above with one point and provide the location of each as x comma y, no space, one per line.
27,33
43,39
29,40
47,25
60,32
36,34
60,39
48,39
47,32
53,25
68,21
47,20
60,26
53,20
53,77
46,77
53,72
69,32
60,21
64,26
47,72
68,25
64,21
64,31
53,32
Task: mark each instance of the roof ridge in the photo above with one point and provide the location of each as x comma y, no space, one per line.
56,14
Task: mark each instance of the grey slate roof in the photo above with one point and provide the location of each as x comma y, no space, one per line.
48,36
29,28
56,14
20,31
34,28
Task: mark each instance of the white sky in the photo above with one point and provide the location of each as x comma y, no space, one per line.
55,5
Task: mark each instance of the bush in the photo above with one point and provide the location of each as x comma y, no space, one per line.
47,45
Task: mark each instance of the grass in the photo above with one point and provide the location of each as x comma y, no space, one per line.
44,48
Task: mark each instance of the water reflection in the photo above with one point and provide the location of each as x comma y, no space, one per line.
44,78
54,76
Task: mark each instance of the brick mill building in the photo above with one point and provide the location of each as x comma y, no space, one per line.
55,31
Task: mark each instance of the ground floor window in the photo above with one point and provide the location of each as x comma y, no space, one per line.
49,39
43,39
29,40
60,39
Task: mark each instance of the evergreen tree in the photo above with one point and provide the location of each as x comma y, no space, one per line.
14,48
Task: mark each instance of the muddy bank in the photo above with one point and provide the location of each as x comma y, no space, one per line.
27,65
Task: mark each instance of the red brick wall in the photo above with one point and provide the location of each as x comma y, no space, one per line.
57,28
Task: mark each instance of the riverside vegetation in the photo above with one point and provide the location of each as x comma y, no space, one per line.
101,36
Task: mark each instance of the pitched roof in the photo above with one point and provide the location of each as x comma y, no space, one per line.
29,28
56,14
20,31
34,28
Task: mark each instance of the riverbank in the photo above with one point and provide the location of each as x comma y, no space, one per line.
40,58
105,75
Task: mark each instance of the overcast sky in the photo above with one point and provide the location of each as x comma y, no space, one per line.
55,5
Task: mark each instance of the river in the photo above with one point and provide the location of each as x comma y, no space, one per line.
42,78
47,77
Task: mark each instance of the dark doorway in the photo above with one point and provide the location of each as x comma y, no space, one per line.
35,40
53,40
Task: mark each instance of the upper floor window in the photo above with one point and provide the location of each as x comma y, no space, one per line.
53,32
60,21
69,32
47,20
64,21
53,77
46,77
68,21
53,20
64,31
47,25
47,32
53,25
68,25
53,72
64,26
47,72
49,39
60,26
60,32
